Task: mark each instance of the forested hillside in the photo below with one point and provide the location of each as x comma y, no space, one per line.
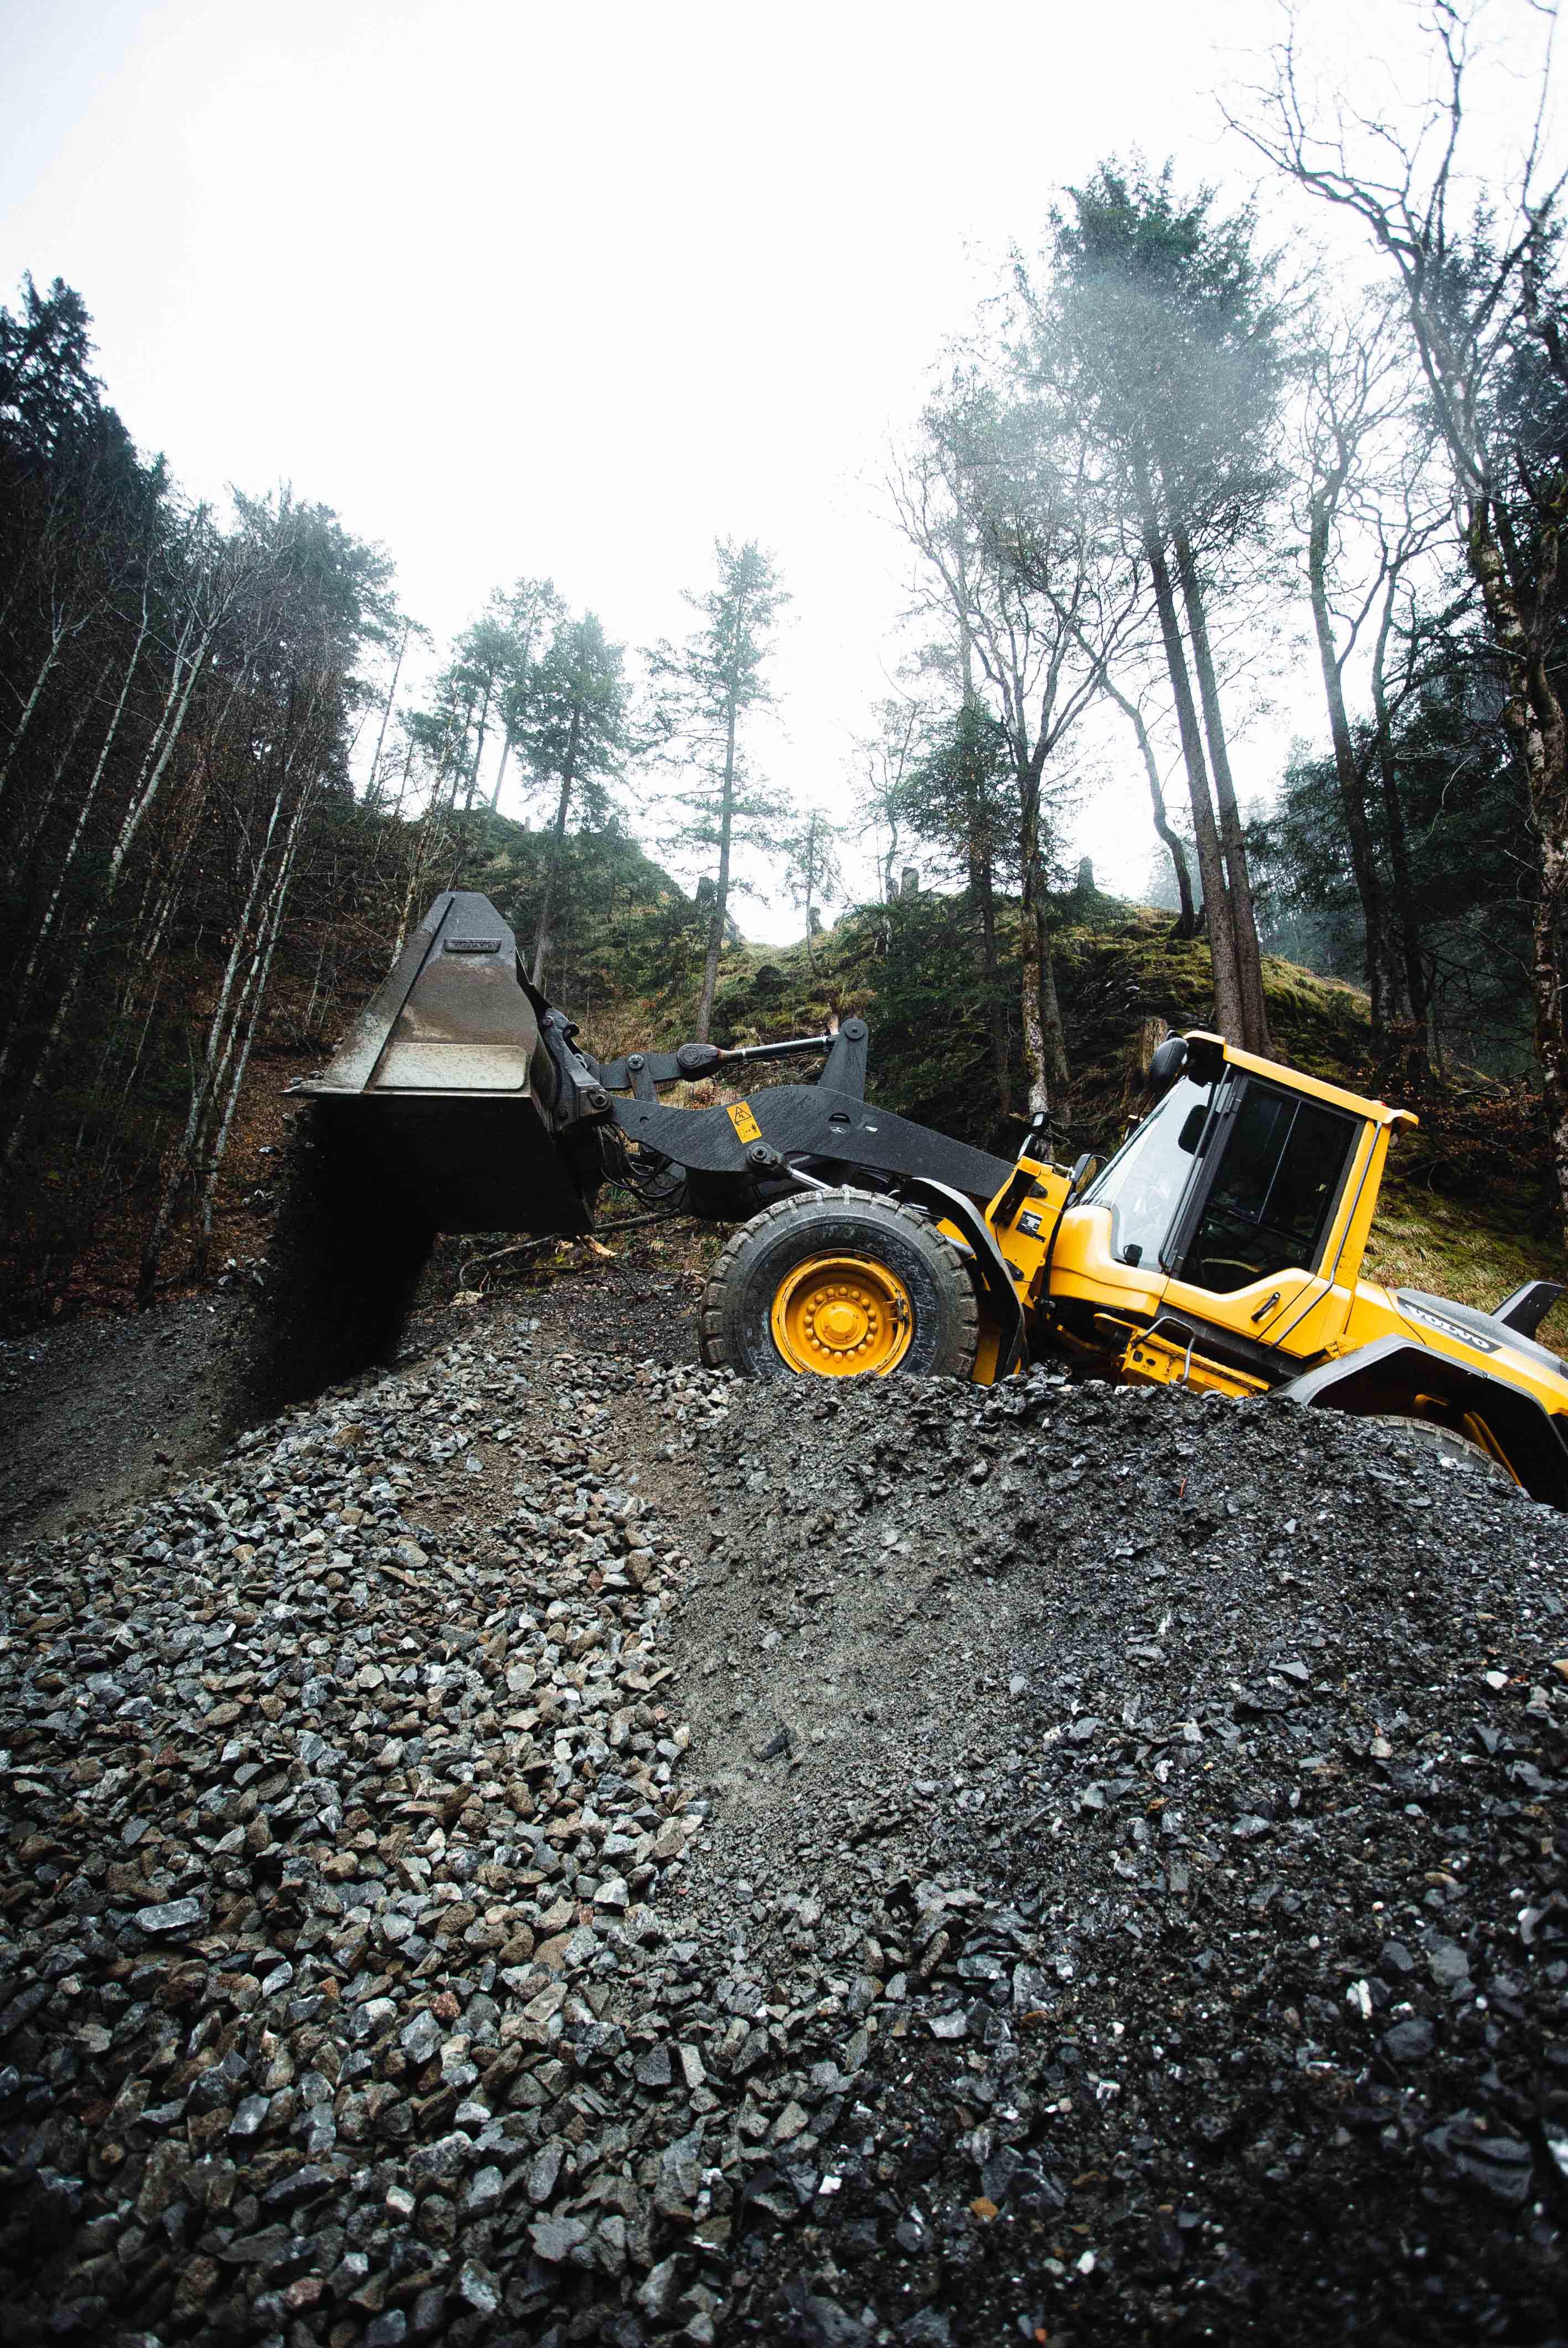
233,769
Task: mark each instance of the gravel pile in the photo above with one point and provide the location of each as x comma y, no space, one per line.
558,1848
1178,1785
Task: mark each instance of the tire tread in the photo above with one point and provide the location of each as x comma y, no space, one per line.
715,1345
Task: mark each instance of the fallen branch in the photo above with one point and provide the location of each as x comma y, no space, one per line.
552,1238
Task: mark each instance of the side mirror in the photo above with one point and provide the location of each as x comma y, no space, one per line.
1081,1169
1167,1062
1192,1132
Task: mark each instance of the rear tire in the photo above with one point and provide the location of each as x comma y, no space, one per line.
1447,1440
851,1283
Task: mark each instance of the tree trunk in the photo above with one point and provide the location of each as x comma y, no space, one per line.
209,1076
23,995
1243,924
251,1016
478,750
373,791
29,832
172,720
720,886
1229,1014
1187,923
1534,720
1406,920
1044,1045
1382,970
58,634
568,776
983,890
982,897
501,772
1049,1002
403,783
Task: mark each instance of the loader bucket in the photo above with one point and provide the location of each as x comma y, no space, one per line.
444,1090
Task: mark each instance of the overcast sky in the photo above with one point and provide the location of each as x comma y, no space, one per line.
573,290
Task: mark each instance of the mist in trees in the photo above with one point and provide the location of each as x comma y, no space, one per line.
1472,263
1159,317
1164,437
1096,473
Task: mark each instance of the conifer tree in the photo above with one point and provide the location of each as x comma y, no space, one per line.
705,689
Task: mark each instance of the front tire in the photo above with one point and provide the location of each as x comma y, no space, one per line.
840,1285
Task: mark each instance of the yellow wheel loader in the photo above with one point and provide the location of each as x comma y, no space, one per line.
1220,1246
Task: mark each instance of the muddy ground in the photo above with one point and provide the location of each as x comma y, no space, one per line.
98,1411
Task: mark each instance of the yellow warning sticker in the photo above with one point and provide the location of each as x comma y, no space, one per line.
744,1123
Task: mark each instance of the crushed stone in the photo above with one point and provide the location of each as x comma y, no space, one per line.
554,1847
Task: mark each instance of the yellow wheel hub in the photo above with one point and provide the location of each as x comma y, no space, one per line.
838,1316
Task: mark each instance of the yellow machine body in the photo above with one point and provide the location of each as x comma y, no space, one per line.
1314,1327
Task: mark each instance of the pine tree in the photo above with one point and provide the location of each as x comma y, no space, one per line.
705,690
812,874
571,718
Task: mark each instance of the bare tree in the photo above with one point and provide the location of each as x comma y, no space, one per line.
1366,513
1000,503
1158,322
883,758
1131,710
1482,299
213,578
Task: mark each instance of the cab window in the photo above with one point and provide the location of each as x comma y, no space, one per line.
1143,1183
1273,1194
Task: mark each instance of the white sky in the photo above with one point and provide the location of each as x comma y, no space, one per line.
571,291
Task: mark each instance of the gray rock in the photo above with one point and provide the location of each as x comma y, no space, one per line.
1409,2040
1448,1964
421,2038
484,2192
554,2238
478,2289
169,1916
656,2296
544,2170
653,2069
442,2161
833,2327
299,2186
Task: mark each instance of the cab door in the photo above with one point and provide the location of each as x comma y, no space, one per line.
1246,1255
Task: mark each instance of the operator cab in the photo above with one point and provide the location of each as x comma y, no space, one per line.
1228,1196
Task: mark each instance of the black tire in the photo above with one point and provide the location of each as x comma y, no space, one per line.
1447,1440
343,1260
737,1305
